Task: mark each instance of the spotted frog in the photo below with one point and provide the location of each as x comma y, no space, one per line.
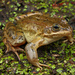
37,29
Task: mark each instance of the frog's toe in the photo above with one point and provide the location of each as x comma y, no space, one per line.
65,41
19,49
72,42
44,65
14,50
39,65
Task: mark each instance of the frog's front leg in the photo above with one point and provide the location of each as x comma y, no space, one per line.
31,52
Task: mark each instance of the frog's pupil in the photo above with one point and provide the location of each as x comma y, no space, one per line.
56,27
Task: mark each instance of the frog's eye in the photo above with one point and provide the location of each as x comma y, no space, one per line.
56,27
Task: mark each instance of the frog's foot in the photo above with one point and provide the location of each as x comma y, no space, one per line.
65,41
70,42
12,48
15,49
70,39
39,65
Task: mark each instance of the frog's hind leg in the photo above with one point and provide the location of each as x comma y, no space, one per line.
31,52
12,48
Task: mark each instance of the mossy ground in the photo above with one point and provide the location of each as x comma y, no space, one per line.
58,55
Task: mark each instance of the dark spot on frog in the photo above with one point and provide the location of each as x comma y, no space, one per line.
38,15
26,15
33,50
11,30
33,44
34,58
38,19
27,22
19,31
15,23
10,33
20,37
18,17
45,20
10,27
33,12
22,20
30,17
4,37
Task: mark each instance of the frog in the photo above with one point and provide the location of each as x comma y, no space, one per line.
37,29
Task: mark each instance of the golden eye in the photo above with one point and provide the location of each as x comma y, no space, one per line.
56,27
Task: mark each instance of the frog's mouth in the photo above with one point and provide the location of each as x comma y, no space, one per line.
58,34
61,34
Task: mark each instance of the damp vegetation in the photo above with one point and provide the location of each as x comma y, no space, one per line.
58,55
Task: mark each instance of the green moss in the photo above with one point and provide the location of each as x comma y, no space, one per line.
0,10
53,66
1,44
38,69
59,70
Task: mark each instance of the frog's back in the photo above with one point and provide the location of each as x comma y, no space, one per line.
39,21
34,25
